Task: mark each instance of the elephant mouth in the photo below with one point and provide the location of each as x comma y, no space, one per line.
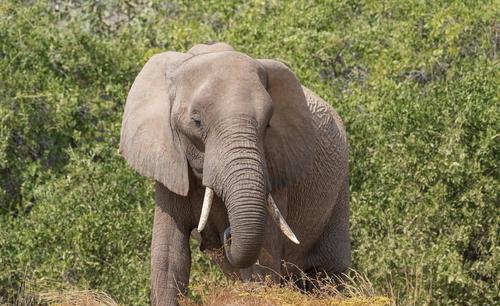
272,209
227,239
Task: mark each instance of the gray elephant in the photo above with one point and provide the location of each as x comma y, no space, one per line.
245,154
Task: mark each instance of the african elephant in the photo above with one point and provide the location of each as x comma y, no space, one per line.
245,154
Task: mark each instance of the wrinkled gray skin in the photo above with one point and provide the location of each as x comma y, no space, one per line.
246,128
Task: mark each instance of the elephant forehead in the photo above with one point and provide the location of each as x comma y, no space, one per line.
215,95
218,90
225,66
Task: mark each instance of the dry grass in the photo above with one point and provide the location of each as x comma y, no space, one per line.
258,295
356,291
77,298
38,294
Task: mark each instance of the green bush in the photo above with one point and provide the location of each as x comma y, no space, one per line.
416,83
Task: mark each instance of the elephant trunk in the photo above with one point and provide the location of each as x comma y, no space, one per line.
237,174
247,215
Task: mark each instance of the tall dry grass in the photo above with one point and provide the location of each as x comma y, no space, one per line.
48,293
355,289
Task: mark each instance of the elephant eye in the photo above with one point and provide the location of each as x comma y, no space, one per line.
197,121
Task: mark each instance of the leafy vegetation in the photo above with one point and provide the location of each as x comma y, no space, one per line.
416,84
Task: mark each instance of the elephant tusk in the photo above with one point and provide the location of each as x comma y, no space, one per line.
280,221
205,210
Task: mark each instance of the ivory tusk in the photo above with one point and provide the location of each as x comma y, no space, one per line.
280,221
205,210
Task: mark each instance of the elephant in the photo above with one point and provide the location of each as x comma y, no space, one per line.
245,155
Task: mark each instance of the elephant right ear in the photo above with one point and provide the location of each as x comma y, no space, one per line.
148,141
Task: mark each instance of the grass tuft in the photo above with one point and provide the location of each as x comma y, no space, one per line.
356,290
77,298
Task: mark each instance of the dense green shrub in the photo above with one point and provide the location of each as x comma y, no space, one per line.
416,83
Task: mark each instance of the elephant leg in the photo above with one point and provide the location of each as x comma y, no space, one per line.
332,254
170,253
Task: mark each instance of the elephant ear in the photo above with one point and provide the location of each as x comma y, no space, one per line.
290,138
148,141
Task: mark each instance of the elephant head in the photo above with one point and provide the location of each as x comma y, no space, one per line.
241,125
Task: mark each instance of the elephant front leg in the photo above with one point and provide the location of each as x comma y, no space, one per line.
170,253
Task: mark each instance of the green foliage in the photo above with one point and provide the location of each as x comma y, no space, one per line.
416,83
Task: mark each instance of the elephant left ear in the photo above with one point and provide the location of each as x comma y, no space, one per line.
290,139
